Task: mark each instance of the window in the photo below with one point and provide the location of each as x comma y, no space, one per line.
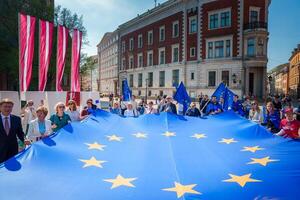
211,78
123,63
150,58
219,49
225,19
213,21
175,29
139,93
192,76
161,93
175,53
251,47
228,48
150,37
162,56
150,79
131,80
220,19
192,52
131,44
140,60
140,80
253,16
140,41
175,77
210,50
193,24
162,79
225,77
149,93
162,33
123,46
131,62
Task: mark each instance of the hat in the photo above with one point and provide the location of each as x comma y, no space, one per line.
288,110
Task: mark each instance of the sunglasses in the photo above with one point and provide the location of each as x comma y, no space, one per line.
61,106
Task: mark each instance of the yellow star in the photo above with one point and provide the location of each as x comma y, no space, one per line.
252,149
93,162
227,141
241,180
119,181
182,189
114,138
198,136
96,146
140,135
263,161
169,134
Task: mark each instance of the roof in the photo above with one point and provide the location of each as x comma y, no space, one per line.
278,68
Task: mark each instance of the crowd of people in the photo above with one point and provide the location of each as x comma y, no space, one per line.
278,116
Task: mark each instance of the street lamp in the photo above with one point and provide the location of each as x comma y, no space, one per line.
146,95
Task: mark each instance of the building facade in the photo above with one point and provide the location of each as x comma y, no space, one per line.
294,73
278,79
108,63
199,42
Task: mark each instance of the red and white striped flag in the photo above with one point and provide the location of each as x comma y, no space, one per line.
46,35
76,46
62,42
26,49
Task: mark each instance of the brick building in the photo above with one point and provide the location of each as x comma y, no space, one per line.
198,42
108,63
294,73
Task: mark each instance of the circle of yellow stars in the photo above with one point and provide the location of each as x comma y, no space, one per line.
179,189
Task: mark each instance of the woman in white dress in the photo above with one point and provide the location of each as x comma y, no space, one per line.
255,113
40,127
130,111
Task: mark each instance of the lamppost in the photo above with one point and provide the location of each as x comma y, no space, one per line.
146,95
270,84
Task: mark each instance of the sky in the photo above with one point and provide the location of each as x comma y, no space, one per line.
101,16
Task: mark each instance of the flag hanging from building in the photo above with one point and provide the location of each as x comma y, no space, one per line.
62,43
76,46
126,92
182,97
156,157
46,37
26,49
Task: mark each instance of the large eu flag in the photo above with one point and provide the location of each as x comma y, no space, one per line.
156,157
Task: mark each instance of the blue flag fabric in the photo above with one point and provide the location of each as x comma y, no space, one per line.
182,97
223,91
220,91
107,157
127,94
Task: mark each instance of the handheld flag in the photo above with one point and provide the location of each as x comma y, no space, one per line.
182,97
127,94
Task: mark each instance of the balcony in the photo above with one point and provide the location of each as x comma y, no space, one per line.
256,25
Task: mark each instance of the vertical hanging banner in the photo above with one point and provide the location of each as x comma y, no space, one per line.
46,35
62,42
76,46
26,49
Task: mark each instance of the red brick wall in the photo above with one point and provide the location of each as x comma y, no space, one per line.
191,38
233,30
257,3
169,40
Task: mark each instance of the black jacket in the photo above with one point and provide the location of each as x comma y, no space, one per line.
9,143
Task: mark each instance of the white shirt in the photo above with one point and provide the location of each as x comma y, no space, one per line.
3,120
151,111
130,113
74,115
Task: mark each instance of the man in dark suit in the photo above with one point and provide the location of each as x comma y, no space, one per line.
10,129
170,106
